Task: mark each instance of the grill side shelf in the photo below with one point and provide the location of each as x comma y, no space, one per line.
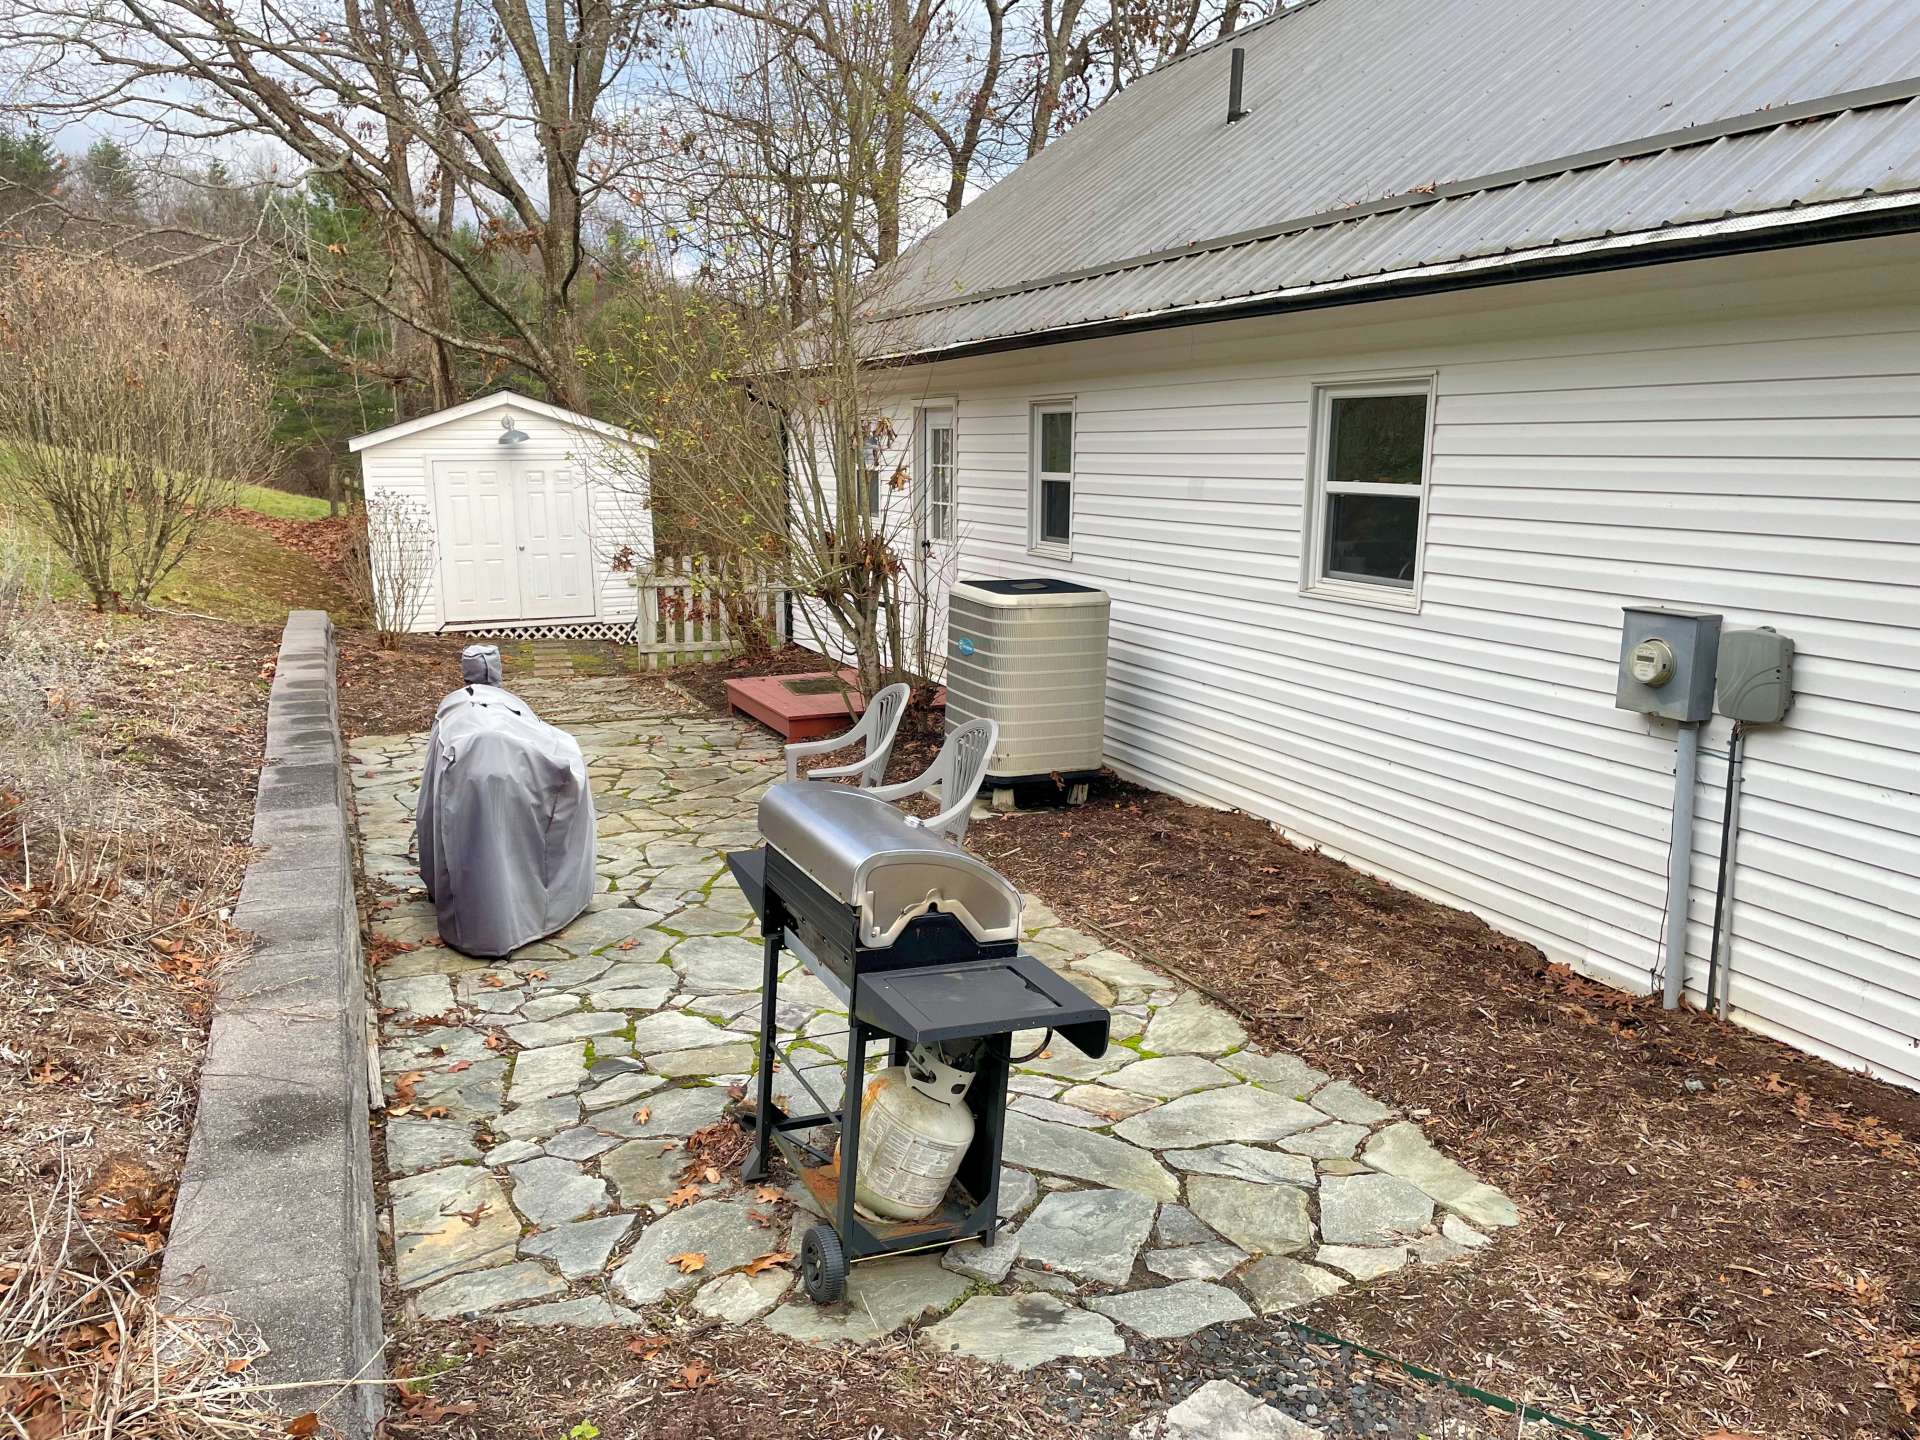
982,997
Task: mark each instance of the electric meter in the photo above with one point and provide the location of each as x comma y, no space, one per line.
1666,662
1651,662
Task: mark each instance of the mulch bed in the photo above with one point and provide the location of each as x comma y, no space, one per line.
1720,1232
394,691
711,1382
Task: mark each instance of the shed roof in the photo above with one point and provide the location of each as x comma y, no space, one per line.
1437,141
560,415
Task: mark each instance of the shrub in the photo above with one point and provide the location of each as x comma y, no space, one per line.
128,416
389,562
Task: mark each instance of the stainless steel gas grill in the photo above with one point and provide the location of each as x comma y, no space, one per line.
920,941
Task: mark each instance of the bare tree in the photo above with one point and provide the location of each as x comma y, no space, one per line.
418,110
127,418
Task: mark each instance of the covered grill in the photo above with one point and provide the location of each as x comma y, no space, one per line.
920,941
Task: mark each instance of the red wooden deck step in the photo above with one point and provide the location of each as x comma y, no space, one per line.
808,712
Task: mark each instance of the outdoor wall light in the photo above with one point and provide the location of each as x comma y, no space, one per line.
512,433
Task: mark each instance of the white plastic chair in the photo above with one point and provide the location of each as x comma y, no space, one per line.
878,725
957,772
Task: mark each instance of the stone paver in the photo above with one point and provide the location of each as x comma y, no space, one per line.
1094,1234
1170,1310
1221,1410
1371,1209
1183,1182
1023,1331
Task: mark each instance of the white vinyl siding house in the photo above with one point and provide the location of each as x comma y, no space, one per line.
1373,404
534,535
1739,435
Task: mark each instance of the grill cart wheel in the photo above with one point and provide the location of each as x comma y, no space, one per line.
823,1265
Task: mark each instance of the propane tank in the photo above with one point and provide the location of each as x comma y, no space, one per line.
915,1128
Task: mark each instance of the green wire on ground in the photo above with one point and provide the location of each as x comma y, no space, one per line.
1517,1408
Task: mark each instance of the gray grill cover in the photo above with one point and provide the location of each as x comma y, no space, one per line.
505,824
480,664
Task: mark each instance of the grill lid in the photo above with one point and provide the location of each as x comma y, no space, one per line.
871,858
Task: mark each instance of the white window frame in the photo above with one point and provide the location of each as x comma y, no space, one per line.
922,475
1037,544
1314,579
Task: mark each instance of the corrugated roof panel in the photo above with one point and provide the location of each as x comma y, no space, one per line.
1353,101
1851,154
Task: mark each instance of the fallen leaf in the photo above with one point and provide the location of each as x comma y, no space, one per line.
646,1346
496,1041
628,943
760,1218
685,1195
693,1375
767,1261
458,1066
305,1424
480,1346
767,1194
238,1363
436,1112
403,1086
689,1261
643,1115
536,974
711,1175
494,982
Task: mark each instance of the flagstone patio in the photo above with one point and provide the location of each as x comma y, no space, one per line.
538,1105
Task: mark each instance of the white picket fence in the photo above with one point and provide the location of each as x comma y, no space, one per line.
683,617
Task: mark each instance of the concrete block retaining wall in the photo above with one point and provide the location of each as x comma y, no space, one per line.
275,1223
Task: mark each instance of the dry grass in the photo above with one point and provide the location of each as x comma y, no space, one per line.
85,1351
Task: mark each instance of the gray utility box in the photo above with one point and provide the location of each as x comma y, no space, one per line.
1667,660
1756,675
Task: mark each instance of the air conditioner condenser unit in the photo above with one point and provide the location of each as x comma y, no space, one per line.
1032,655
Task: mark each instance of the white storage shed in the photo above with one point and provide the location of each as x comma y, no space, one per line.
539,515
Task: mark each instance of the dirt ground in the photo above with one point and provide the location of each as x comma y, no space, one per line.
114,888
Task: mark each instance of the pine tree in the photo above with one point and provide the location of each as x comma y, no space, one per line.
28,160
107,172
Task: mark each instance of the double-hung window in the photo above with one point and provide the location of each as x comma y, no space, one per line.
1051,503
1367,490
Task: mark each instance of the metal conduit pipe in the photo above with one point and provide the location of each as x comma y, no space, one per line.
1686,767
1720,946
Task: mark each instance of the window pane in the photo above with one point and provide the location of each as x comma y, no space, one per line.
1377,439
873,492
1056,442
940,502
1372,538
1056,511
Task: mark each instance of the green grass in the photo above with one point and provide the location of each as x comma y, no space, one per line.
236,573
281,505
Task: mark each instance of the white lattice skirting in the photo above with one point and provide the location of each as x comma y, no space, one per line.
619,631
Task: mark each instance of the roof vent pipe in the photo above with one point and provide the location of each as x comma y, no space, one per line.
1235,110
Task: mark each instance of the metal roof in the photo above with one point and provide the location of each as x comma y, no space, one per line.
480,404
1390,139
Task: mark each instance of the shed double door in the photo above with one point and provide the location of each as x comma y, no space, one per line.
514,538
